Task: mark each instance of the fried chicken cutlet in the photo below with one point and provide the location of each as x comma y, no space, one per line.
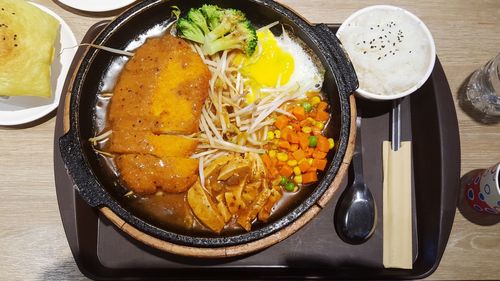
157,99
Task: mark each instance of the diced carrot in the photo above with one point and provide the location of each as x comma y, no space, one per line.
295,126
304,123
285,132
318,154
323,144
274,161
304,166
286,171
316,131
309,177
293,137
303,140
285,144
322,115
299,154
267,160
320,164
312,169
322,106
294,147
273,173
299,112
281,121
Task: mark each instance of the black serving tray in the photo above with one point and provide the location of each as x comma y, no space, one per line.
103,252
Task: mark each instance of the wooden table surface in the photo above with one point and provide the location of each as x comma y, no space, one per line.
467,34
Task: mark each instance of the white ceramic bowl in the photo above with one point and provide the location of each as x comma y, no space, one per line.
366,12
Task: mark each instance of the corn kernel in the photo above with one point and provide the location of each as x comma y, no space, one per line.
311,120
272,153
292,163
319,125
270,135
277,134
331,142
289,126
306,130
297,179
296,171
310,161
282,156
315,100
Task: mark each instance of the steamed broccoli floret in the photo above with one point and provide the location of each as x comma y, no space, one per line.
190,30
212,13
243,37
197,17
221,29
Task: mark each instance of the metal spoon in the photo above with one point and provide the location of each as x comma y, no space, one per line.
355,215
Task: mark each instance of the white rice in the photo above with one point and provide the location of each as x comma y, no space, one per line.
389,49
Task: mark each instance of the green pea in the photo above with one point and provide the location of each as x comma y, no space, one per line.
307,106
290,187
283,181
313,141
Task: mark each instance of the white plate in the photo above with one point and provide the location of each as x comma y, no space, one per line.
97,5
23,109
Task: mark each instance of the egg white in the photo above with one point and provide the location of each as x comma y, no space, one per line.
306,74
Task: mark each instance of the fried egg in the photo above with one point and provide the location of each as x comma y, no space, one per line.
279,61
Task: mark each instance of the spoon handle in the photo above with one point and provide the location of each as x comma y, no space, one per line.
357,158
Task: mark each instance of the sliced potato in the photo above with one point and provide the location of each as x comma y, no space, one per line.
221,206
259,171
204,208
216,164
250,192
234,202
248,215
265,212
236,167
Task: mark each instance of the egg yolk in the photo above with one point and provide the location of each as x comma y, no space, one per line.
266,67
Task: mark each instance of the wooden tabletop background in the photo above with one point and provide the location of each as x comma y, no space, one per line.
467,34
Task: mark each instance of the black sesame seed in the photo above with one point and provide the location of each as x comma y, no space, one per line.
364,52
378,58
